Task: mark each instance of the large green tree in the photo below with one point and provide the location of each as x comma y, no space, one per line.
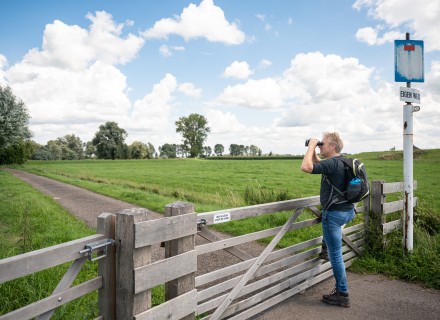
109,141
194,132
219,149
14,131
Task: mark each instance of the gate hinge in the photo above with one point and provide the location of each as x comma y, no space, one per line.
97,247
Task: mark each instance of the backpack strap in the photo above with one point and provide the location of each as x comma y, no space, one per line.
333,199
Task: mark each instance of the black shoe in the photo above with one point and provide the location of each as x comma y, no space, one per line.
337,298
323,254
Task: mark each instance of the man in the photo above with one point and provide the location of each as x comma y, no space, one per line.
335,213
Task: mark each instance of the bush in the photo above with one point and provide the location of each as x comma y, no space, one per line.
17,153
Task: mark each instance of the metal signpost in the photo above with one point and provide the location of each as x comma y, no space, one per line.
408,58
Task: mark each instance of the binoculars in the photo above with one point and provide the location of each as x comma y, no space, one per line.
320,143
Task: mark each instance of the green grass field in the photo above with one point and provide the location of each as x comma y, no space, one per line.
213,185
30,220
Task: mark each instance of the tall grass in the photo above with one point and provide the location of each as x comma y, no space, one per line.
29,221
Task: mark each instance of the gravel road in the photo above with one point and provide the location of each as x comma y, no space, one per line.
373,297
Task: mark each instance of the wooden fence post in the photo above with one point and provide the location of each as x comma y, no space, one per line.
175,247
128,304
107,269
378,198
367,212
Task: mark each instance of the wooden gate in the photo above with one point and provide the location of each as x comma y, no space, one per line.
237,291
252,283
240,290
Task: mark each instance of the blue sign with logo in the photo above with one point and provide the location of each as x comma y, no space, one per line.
408,61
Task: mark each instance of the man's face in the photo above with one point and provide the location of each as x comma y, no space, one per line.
327,148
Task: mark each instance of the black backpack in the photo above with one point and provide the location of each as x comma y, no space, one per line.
357,186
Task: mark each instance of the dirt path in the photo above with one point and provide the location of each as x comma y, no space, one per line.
373,297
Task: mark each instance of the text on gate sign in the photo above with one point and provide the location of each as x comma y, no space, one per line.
409,95
222,217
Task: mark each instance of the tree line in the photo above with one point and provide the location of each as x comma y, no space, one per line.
16,145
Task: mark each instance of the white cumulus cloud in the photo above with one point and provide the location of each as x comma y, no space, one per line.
203,21
190,90
258,94
421,17
238,70
73,78
151,113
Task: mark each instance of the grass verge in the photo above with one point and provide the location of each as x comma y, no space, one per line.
29,221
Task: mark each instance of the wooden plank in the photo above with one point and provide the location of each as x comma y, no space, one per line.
106,225
259,298
212,237
312,277
65,283
31,262
276,289
392,206
54,301
227,271
224,272
168,228
174,309
260,209
211,304
350,244
316,211
231,296
271,268
283,296
391,226
396,187
162,271
185,283
354,228
226,243
127,259
396,206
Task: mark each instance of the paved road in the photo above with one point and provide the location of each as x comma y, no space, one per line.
373,297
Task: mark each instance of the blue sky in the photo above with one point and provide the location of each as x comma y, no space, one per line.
268,73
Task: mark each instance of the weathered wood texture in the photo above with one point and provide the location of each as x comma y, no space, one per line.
128,258
179,246
175,309
381,208
107,268
260,209
273,278
31,262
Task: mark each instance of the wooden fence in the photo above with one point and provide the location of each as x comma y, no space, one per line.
127,274
381,209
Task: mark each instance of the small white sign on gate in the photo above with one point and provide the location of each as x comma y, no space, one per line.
222,217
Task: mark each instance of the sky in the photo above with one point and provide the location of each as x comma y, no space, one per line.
265,73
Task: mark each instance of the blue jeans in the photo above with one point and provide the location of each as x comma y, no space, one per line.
332,222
